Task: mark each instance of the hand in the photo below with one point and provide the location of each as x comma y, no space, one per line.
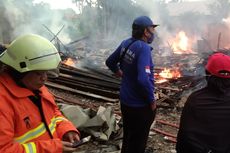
119,74
71,136
153,106
67,147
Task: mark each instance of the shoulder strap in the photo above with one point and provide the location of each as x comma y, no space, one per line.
37,101
123,54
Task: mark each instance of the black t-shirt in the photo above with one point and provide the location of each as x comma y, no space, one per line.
205,122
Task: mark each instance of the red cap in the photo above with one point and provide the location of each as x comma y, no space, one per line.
219,62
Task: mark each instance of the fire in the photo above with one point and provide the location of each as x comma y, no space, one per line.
161,80
181,43
166,74
69,62
170,73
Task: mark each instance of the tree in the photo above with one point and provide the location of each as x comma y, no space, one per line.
108,19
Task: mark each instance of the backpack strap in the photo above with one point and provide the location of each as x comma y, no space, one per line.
123,54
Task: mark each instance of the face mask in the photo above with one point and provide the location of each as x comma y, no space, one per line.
151,38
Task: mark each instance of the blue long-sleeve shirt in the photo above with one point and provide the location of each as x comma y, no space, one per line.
137,86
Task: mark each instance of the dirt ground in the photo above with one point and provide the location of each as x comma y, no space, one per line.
157,143
160,142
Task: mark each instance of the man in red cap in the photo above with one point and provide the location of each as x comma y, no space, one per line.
205,119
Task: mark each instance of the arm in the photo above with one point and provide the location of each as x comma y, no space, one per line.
113,60
9,145
65,129
12,139
145,74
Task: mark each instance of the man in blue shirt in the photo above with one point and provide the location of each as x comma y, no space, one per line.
133,62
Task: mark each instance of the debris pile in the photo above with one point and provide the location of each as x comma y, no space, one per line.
100,116
86,83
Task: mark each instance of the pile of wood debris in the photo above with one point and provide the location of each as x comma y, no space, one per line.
95,87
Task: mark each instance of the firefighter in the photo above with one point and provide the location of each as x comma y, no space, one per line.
30,121
133,62
204,124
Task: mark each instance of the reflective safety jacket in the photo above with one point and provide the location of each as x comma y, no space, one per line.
21,126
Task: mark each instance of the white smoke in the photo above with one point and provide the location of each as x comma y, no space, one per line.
23,20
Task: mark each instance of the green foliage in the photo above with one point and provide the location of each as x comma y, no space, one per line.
108,18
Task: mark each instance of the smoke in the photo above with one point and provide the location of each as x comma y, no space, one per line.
107,24
197,19
225,40
27,17
227,21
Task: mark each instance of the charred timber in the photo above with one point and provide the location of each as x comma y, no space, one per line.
87,88
58,86
88,74
89,81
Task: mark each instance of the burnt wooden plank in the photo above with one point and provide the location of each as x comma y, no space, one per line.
54,85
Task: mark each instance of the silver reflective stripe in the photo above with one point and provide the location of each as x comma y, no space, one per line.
34,133
54,122
30,147
39,130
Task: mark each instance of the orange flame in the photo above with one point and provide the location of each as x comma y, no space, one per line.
181,43
69,62
170,73
161,80
166,74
